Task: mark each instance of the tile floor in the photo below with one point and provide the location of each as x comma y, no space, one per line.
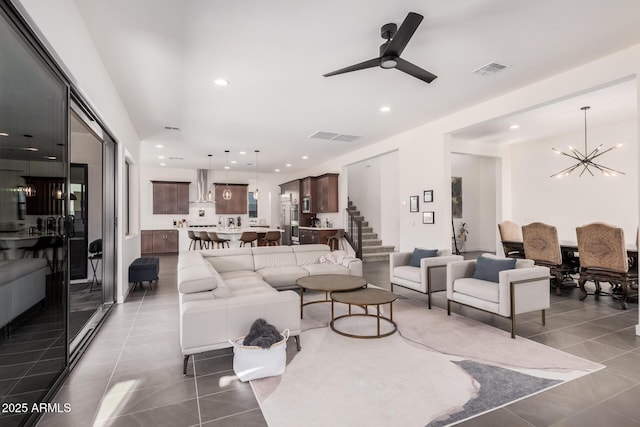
131,374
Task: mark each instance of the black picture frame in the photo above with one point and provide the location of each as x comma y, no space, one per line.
428,217
414,204
427,196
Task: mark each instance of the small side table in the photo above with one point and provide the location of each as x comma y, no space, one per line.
364,298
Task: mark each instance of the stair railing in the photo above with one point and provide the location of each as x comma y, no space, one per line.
354,232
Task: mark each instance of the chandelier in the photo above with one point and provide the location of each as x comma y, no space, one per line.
586,160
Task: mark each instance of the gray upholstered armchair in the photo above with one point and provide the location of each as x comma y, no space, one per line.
512,291
426,276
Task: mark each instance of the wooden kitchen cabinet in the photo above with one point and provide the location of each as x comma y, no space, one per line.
326,193
159,241
170,197
310,236
237,205
146,241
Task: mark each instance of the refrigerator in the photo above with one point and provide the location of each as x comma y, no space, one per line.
285,218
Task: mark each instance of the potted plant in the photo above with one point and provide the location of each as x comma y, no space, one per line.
461,238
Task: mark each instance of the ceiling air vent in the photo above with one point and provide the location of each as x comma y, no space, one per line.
330,136
489,69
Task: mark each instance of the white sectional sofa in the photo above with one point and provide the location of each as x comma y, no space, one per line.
22,285
223,291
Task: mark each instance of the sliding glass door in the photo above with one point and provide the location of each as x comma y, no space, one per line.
34,224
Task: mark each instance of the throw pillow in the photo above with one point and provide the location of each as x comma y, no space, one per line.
489,268
418,254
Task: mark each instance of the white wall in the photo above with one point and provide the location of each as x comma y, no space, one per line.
389,215
478,175
572,201
61,26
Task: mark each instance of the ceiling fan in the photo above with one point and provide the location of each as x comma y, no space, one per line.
391,50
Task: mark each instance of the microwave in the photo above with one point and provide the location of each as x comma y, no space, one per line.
306,204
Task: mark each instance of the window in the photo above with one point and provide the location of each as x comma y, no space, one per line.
127,200
253,205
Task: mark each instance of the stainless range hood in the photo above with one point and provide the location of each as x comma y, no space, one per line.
202,188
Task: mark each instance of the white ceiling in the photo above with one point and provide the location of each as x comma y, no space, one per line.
164,55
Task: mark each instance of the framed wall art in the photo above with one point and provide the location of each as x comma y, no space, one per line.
413,204
428,217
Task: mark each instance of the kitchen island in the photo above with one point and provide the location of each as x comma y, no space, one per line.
313,235
233,234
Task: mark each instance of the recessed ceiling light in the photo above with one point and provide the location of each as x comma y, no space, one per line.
30,148
277,170
159,146
161,157
242,153
227,167
233,162
163,164
288,165
514,126
305,157
385,109
221,82
49,157
4,134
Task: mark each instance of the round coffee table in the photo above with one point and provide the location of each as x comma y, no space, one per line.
328,283
365,297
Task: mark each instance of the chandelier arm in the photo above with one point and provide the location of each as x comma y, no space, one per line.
569,155
586,168
605,168
603,152
568,170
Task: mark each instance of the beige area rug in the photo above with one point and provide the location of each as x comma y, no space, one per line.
436,370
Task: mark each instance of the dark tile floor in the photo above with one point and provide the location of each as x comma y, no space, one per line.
131,374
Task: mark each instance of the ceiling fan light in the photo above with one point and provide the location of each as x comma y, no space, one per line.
388,62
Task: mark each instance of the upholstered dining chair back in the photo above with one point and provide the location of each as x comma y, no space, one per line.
602,246
510,231
541,243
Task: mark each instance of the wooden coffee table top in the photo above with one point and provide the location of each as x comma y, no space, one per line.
367,296
331,282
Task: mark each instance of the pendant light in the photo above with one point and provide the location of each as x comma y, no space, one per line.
209,194
586,159
226,194
30,188
256,193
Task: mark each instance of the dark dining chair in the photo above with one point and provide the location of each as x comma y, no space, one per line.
541,244
195,240
271,238
603,258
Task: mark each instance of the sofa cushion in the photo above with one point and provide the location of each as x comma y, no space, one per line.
197,279
315,269
310,254
234,274
482,289
407,272
490,268
282,276
274,256
419,253
190,259
230,259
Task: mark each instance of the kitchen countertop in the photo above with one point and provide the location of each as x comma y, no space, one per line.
320,228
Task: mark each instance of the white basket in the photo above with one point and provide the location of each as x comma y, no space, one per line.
253,362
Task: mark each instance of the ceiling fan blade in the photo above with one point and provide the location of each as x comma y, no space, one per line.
415,71
403,35
361,66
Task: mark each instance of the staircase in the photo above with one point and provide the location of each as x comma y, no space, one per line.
372,247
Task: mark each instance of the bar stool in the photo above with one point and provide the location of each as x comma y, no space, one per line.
205,240
95,255
3,251
337,240
217,240
272,238
248,237
195,240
